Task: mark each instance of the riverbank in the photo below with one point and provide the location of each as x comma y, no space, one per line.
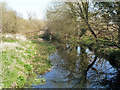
22,59
105,49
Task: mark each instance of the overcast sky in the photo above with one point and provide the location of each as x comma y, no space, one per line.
24,6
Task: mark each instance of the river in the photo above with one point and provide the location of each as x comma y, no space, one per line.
68,69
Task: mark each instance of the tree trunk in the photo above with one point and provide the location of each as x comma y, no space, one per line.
118,12
93,33
119,35
95,58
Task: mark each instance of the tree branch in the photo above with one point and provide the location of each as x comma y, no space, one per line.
90,65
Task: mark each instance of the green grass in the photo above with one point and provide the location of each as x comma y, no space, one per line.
21,64
9,39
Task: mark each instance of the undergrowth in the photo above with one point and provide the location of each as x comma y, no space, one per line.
21,64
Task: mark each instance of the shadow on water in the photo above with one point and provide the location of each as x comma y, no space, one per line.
69,69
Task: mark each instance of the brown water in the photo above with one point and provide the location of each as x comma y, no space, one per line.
69,67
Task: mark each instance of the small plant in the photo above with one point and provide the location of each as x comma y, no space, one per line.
20,81
28,67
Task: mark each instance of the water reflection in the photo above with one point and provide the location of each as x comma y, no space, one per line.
69,70
78,50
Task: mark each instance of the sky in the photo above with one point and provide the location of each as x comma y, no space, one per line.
26,6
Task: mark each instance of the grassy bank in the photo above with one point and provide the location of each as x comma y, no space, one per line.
22,60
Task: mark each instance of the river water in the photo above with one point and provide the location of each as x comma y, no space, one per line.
69,67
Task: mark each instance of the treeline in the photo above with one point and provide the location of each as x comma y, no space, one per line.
76,22
12,22
71,23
